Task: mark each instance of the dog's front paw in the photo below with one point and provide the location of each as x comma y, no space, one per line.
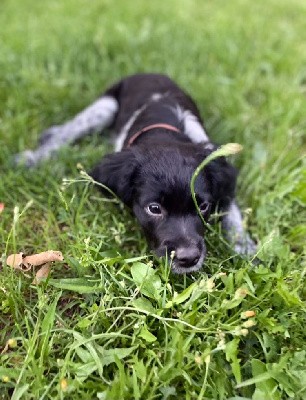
26,158
245,246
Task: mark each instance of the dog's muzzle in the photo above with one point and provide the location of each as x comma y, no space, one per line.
184,259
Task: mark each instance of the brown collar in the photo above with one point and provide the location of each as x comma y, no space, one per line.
148,128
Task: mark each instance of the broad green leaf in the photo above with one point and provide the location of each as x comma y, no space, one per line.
84,355
267,386
92,349
238,398
134,259
168,391
146,279
140,370
288,294
252,381
144,304
183,296
84,370
108,356
232,303
264,384
109,257
147,335
20,391
47,325
79,285
231,352
84,323
48,320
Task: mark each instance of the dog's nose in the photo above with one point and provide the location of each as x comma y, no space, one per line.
187,256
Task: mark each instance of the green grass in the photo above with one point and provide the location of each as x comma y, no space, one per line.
108,324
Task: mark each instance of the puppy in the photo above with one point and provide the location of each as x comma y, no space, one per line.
160,142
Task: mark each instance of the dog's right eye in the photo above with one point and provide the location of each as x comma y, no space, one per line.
154,209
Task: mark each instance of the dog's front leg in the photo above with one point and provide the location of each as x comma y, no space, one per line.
232,225
96,117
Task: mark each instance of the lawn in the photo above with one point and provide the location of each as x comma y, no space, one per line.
111,322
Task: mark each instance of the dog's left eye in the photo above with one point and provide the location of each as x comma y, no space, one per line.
205,207
154,209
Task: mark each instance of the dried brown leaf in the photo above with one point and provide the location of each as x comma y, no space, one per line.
41,258
15,261
42,273
44,259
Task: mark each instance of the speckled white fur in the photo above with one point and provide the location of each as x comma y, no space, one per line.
192,127
97,116
235,233
120,139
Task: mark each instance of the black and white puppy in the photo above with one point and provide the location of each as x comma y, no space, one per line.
160,142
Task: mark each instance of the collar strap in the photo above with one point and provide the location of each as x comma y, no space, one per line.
148,128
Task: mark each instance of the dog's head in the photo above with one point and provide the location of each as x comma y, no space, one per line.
155,183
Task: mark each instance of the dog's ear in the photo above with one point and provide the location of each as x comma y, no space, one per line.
116,171
221,177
